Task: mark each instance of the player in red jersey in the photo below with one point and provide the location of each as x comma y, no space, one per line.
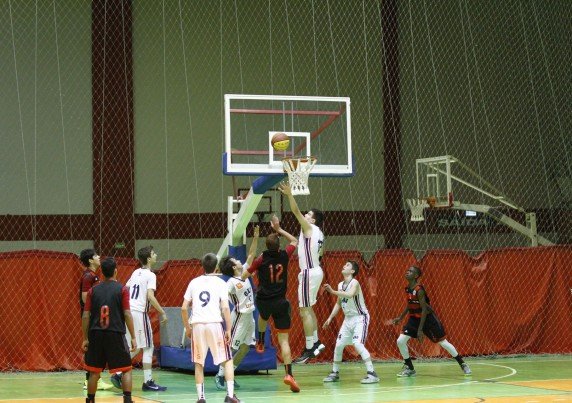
272,270
422,321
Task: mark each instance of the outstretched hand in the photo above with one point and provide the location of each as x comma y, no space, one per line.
275,223
285,188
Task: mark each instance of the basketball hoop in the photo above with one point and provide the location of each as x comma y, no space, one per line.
298,170
417,206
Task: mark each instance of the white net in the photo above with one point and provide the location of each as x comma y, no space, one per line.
298,170
417,207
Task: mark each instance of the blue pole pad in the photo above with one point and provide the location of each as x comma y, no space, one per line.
263,183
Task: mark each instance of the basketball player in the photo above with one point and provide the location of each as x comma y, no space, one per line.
242,297
106,313
91,261
208,296
310,251
356,322
142,286
422,320
272,270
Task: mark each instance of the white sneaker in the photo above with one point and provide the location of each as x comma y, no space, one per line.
406,372
466,370
370,377
333,377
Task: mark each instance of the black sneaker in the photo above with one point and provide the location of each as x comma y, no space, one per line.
116,380
151,386
233,399
318,348
306,355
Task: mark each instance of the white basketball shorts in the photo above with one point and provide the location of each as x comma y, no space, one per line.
242,330
353,330
309,282
209,336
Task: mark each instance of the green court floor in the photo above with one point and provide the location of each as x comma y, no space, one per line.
526,379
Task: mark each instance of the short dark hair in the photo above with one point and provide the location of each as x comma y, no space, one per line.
226,266
108,267
355,267
86,255
144,254
418,270
209,262
318,217
273,242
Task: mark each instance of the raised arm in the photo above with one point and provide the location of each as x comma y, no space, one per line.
253,246
275,222
285,188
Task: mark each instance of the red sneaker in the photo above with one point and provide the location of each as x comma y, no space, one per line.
259,346
290,381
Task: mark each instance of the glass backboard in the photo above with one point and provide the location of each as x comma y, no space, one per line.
316,126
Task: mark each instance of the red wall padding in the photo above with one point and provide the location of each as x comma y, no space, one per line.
504,301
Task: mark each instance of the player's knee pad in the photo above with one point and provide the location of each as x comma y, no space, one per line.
449,347
402,340
362,351
148,355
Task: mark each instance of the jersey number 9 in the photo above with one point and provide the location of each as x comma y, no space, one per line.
205,297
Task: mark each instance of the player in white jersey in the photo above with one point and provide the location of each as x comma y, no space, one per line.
142,286
207,295
356,321
310,251
242,297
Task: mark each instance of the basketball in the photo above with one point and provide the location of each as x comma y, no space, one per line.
280,141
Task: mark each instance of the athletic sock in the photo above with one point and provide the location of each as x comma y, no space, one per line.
288,369
459,359
147,375
201,390
261,336
309,342
369,365
127,397
230,388
409,364
90,398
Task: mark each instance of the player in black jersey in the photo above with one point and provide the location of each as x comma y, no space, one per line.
422,321
272,270
105,315
91,261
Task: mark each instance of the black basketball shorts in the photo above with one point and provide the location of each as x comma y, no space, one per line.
107,349
432,328
278,309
